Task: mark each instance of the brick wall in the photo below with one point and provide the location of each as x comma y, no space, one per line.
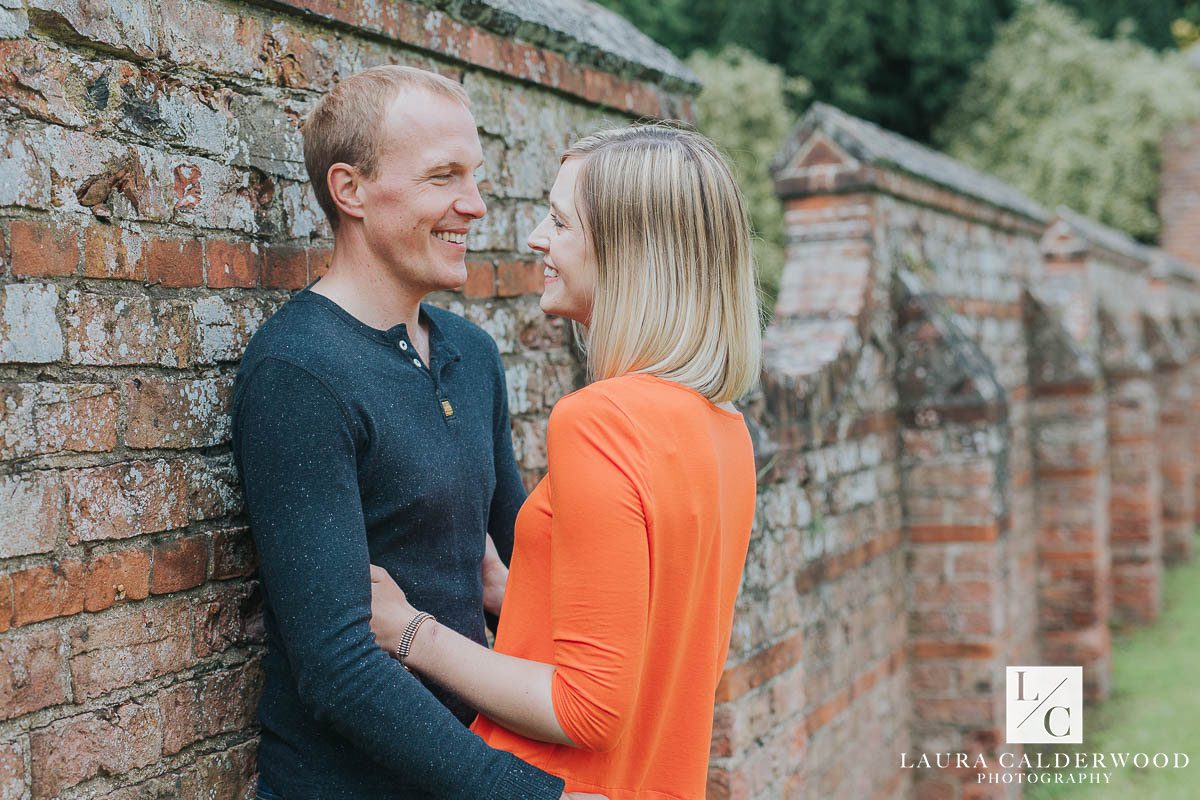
973,431
1179,193
153,212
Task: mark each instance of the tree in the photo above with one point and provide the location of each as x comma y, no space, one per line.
744,109
1148,21
896,62
1071,118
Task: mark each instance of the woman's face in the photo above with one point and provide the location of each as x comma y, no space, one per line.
570,264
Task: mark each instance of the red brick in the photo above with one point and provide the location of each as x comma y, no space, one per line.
123,500
222,776
31,674
46,418
515,278
319,260
481,280
230,698
110,578
285,267
31,515
108,330
110,741
45,592
14,778
760,668
233,554
132,644
182,712
175,262
234,617
179,565
214,704
232,264
952,533
112,252
42,249
212,488
6,603
921,650
176,414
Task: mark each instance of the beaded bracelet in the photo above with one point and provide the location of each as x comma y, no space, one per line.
410,633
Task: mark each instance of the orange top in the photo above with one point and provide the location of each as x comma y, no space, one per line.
625,569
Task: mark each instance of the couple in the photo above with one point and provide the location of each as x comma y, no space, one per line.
372,429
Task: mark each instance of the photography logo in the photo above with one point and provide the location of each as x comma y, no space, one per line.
1044,705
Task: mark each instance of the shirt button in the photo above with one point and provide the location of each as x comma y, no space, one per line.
403,345
416,362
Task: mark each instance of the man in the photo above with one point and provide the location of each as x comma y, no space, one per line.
369,428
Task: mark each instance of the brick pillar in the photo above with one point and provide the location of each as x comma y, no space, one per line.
1193,370
1173,384
1071,488
1135,506
1179,192
954,485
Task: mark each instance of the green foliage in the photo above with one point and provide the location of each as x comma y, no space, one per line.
896,62
1071,118
1148,21
744,109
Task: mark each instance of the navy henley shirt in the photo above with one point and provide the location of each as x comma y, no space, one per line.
352,451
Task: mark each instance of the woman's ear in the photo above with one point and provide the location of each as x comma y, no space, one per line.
345,184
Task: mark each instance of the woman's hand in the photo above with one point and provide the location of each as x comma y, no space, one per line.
495,577
390,610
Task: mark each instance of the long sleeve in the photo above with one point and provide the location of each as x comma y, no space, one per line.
599,569
295,446
510,492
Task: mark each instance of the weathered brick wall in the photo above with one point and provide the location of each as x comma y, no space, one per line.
973,428
1179,193
153,212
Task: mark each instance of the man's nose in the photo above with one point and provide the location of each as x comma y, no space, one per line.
471,204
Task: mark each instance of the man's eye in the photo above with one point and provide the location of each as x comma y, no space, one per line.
445,176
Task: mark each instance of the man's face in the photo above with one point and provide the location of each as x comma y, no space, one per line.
418,208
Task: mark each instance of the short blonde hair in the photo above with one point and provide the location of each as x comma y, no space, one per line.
675,291
345,124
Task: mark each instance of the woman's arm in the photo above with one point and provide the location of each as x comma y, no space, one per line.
512,691
599,597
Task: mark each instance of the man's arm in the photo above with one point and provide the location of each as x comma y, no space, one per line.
510,492
296,453
599,601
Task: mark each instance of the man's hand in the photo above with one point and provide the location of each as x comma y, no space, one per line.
495,577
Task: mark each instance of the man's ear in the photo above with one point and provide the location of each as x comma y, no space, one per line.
344,184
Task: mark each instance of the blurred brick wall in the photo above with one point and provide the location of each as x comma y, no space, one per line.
153,212
973,434
1179,193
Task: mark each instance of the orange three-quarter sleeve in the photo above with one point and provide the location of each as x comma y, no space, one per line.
599,568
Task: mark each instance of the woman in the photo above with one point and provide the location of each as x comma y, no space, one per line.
629,552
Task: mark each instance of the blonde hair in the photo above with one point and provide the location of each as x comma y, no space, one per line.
675,292
345,124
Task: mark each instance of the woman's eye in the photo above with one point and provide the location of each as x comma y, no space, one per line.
557,222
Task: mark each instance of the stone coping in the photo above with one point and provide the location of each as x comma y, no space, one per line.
584,31
870,144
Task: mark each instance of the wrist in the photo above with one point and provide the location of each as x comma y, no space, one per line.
402,651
